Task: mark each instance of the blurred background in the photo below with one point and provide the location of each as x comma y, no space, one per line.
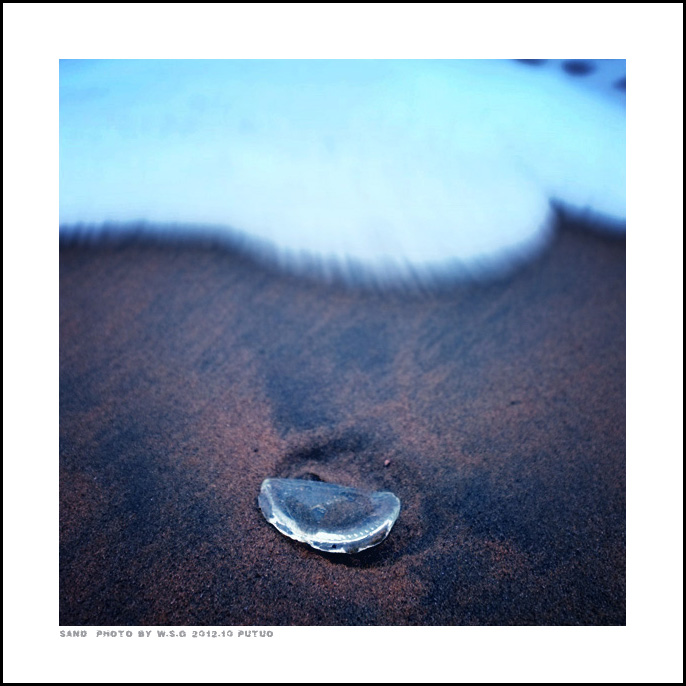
367,170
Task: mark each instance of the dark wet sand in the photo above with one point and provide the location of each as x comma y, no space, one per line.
188,375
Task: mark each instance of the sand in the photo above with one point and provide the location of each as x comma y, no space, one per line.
188,374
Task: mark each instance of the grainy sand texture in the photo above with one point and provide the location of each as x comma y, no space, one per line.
188,374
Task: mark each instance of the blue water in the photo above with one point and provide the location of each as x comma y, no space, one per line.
392,167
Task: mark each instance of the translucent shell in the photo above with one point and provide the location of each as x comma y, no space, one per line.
328,517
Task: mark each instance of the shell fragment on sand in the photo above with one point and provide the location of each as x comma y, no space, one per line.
328,517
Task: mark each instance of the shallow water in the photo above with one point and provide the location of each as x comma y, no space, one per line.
391,169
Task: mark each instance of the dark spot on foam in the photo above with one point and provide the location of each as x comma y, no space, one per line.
578,67
533,63
620,84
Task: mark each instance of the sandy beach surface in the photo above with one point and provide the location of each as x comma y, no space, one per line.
188,374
